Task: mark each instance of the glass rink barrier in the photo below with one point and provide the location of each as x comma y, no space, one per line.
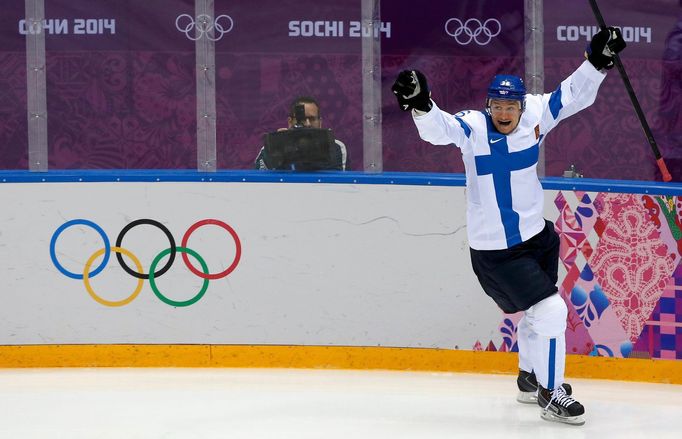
316,228
180,84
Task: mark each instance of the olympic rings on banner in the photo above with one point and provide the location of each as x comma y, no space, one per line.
151,222
470,30
139,272
237,243
86,277
66,225
152,281
204,25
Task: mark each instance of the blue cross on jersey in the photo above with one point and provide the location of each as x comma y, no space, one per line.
500,163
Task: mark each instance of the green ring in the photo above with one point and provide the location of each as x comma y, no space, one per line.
152,280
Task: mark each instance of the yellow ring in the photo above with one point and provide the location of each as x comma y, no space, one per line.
86,277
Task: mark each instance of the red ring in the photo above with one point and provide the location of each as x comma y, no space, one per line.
237,243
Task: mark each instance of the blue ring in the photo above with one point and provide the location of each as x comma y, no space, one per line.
98,229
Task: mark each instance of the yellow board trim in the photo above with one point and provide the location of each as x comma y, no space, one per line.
326,357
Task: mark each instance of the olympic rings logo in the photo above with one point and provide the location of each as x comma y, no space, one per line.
204,25
473,30
138,273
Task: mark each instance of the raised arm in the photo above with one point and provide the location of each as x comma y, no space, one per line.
434,125
579,90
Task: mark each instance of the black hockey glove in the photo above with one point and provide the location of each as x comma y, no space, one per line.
412,91
603,46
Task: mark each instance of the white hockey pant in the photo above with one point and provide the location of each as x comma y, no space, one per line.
542,341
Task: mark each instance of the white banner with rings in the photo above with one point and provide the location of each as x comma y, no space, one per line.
226,263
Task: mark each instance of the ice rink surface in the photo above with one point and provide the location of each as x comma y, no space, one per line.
302,403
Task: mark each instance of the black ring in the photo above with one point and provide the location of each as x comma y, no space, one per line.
150,222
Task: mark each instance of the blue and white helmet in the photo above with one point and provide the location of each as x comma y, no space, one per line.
507,87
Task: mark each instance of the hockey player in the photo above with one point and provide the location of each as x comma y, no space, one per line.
514,250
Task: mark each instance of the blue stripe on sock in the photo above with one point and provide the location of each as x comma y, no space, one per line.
552,363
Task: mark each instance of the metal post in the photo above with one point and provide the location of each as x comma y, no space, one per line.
36,91
371,87
535,58
206,92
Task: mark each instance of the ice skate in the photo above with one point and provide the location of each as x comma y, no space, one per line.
558,406
528,388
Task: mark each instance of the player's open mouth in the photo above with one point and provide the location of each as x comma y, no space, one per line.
504,123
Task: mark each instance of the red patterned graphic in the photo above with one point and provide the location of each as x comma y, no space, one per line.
574,227
631,261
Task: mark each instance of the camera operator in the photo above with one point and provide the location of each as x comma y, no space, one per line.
309,119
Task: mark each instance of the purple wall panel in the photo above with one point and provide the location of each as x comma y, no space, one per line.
606,140
118,110
13,119
272,56
123,95
255,91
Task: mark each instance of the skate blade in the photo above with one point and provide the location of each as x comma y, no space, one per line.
527,397
571,420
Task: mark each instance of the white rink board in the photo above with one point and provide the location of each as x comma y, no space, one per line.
321,264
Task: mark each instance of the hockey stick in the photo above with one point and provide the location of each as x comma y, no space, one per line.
635,103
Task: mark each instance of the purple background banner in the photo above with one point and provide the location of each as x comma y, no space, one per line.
13,118
122,84
276,53
606,140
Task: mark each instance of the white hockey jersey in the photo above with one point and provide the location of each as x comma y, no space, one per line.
504,195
